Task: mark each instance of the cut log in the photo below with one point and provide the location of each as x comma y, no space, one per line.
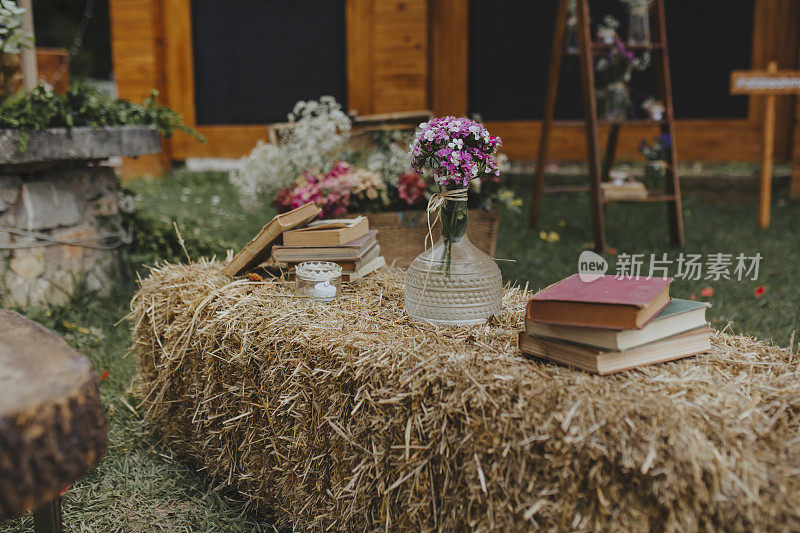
52,423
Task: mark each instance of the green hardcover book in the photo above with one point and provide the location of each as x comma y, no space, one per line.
679,316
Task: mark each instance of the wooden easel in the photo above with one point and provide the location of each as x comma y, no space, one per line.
672,196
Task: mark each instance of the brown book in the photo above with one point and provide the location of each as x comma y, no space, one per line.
365,268
605,302
258,249
607,362
350,251
328,232
348,265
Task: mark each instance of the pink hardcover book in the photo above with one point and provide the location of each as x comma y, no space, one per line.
605,302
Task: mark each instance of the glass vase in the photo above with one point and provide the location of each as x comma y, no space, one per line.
453,282
614,101
654,172
571,36
639,23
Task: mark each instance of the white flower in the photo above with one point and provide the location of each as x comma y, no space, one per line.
456,144
317,133
429,135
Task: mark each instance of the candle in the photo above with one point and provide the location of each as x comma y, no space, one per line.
324,291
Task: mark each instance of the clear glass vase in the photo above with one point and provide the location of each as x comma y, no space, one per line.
453,282
654,172
614,101
571,36
639,23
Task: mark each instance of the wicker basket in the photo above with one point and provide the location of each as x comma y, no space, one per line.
401,234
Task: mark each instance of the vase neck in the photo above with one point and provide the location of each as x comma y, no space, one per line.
454,218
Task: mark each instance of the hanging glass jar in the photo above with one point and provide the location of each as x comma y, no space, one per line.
453,282
654,172
571,35
614,102
639,23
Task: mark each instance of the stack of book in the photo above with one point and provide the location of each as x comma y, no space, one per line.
347,242
608,325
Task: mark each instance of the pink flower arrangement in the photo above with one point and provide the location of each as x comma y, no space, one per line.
331,192
456,149
411,188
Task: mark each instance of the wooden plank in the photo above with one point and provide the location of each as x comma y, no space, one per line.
794,188
449,57
672,181
549,112
611,151
134,54
222,141
708,140
144,165
711,140
132,20
592,134
359,55
178,58
765,201
136,51
400,55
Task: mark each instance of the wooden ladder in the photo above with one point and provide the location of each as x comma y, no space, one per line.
586,47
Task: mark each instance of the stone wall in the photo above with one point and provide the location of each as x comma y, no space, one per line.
60,221
78,206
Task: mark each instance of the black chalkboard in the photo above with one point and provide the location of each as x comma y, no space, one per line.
511,42
254,59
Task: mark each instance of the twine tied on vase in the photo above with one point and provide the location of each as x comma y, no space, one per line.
435,203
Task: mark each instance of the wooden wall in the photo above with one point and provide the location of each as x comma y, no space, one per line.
137,48
413,54
387,45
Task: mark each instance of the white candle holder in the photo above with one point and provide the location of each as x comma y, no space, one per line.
318,280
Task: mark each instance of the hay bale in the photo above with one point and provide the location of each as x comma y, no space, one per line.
352,417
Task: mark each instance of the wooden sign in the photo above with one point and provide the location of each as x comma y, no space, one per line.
768,83
765,82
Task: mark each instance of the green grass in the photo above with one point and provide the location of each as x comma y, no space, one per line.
139,486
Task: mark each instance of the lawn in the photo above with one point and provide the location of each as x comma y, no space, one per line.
140,486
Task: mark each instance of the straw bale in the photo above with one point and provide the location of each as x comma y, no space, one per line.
349,416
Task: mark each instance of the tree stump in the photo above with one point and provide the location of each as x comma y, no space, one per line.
52,423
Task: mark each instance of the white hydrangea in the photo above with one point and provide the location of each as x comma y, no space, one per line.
318,129
261,174
316,134
390,164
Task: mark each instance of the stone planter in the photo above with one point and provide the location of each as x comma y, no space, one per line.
56,145
401,234
59,210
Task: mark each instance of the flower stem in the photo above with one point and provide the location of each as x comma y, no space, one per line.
454,226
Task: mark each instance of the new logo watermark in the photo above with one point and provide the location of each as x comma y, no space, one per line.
712,266
591,266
